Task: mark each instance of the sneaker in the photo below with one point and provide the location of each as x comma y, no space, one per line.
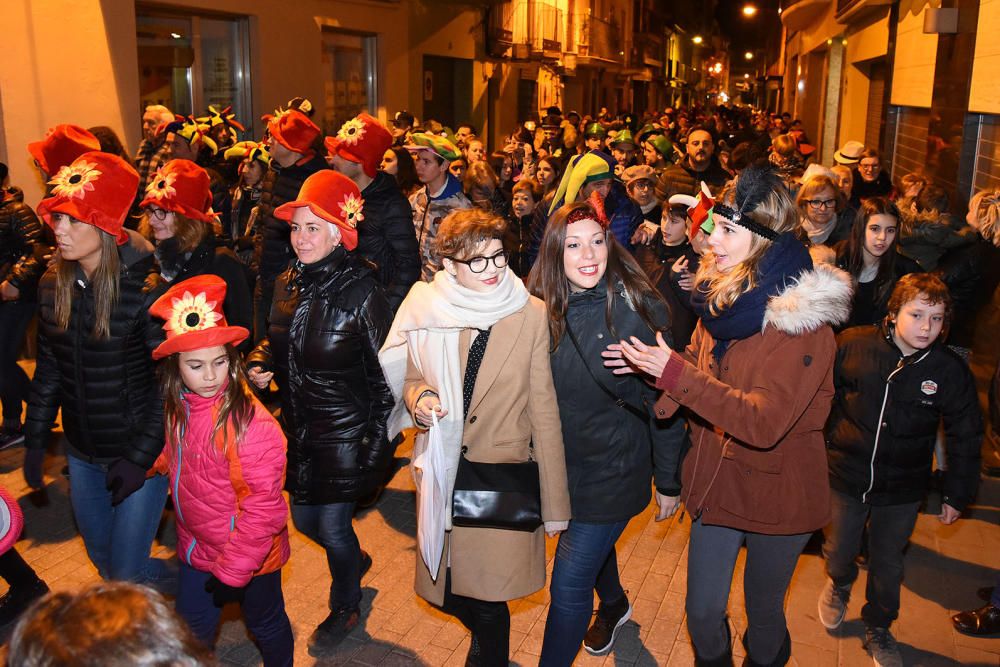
833,605
18,599
11,437
608,621
882,647
332,631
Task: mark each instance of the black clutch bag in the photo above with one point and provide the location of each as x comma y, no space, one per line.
497,495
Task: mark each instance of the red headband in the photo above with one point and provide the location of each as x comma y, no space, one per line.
598,215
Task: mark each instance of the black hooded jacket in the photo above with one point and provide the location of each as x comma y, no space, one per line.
22,244
110,398
328,321
386,238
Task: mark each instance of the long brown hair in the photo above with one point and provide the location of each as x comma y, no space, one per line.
104,286
188,231
885,277
235,411
548,280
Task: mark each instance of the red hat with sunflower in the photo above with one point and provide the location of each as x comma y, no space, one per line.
183,187
192,311
293,130
362,139
332,197
61,145
98,189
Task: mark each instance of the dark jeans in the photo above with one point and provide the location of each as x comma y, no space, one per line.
489,623
889,530
14,383
770,562
331,527
585,562
263,295
118,538
263,609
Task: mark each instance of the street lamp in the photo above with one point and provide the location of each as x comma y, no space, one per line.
749,10
697,39
748,55
746,76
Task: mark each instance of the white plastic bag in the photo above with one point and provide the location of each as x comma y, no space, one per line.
430,475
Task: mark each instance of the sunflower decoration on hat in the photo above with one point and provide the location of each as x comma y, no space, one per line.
161,186
351,132
75,180
193,318
183,187
332,197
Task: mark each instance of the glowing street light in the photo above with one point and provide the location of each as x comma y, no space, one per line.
746,76
749,10
697,39
748,55
718,67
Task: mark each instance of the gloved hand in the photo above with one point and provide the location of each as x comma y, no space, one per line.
124,478
223,594
33,459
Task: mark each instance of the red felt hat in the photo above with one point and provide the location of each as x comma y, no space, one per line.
362,139
332,197
183,187
293,130
192,311
61,146
98,189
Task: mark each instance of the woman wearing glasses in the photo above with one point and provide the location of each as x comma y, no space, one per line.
468,362
178,219
870,180
823,211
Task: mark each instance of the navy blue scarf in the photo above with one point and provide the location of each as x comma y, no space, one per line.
784,261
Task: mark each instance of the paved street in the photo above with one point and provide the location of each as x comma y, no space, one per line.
945,565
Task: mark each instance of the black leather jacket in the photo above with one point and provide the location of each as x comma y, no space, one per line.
386,238
328,321
22,244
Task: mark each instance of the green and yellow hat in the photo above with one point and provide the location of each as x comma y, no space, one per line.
662,145
586,168
248,151
595,130
424,141
624,137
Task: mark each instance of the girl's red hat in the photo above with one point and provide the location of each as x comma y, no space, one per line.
293,130
183,187
332,197
61,146
98,189
363,140
192,310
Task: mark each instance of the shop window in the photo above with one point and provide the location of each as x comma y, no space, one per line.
188,62
349,77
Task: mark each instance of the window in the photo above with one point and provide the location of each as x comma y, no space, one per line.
188,62
349,77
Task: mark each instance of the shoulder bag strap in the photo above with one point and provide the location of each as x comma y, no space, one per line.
620,402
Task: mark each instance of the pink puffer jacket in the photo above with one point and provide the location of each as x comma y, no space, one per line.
231,515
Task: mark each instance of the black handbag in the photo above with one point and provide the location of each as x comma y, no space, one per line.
507,496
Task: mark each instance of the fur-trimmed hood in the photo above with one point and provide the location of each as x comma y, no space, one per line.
818,297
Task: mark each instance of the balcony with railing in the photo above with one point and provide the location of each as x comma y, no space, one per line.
648,50
599,40
529,29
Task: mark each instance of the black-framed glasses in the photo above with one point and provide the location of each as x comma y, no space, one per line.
158,213
821,203
479,264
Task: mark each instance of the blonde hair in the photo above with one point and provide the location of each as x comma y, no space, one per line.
818,183
723,288
104,286
986,204
784,145
188,231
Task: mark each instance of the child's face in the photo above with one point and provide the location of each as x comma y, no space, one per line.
673,227
204,371
700,242
523,203
918,324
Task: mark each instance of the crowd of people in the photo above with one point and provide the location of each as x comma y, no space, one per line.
683,308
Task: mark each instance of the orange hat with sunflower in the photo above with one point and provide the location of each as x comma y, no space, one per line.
183,187
363,140
332,197
98,189
61,145
293,130
192,311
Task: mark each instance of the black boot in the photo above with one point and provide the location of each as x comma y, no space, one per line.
784,653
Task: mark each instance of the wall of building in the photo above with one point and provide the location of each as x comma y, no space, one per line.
863,44
915,57
984,95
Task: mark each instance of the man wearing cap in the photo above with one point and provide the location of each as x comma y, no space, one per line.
640,181
594,137
293,139
699,164
552,139
385,236
402,125
441,194
153,152
623,149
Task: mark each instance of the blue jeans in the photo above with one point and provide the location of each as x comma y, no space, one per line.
770,563
331,526
14,383
263,609
585,562
118,539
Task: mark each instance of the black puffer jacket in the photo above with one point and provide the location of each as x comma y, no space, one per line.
108,392
884,420
611,454
281,185
972,273
22,244
657,259
386,238
328,321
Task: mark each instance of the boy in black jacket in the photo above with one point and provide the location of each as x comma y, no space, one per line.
893,385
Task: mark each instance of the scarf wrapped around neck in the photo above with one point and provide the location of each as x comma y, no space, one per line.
782,263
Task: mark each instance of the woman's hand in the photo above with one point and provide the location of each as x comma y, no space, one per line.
650,360
426,405
667,506
684,277
258,377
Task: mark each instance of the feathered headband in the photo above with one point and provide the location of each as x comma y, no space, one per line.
753,186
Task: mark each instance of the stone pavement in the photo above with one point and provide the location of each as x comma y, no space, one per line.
945,565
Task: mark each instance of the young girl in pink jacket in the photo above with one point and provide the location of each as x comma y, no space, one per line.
225,455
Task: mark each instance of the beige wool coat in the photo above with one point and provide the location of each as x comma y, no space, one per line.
513,405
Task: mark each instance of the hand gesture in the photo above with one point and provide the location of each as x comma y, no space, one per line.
685,277
648,359
258,377
644,233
